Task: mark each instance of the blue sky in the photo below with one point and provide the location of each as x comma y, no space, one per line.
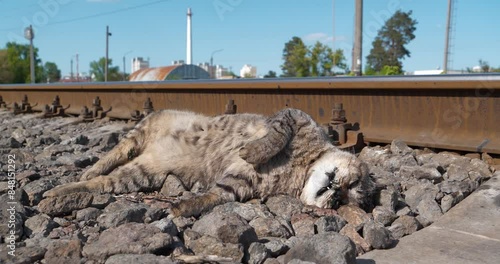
249,31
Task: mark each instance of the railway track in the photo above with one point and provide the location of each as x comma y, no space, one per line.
456,112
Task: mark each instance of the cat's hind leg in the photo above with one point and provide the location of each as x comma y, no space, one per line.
138,175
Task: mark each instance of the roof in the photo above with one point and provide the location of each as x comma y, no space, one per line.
174,72
152,74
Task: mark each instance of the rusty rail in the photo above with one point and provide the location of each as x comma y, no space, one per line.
458,112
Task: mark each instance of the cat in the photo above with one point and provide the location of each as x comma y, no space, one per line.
237,157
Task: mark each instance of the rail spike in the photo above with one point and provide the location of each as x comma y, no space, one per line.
97,111
343,134
56,109
3,104
231,108
137,116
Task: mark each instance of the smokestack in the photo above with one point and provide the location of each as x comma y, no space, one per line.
189,46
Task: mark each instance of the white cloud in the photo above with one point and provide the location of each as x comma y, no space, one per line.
322,37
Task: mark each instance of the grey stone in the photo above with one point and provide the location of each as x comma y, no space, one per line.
361,245
102,200
85,161
397,230
354,215
23,255
35,189
248,211
10,143
409,224
39,224
333,223
303,225
229,228
399,147
456,173
429,211
138,258
481,167
419,192
172,186
328,247
109,141
383,215
374,155
382,177
403,211
450,200
265,227
81,140
448,187
396,162
166,226
284,206
298,261
64,251
62,205
129,238
119,213
419,172
388,198
87,214
154,214
378,236
208,245
276,247
258,253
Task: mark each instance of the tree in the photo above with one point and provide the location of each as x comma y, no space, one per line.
15,64
270,74
6,75
389,45
485,66
303,61
296,63
52,72
97,69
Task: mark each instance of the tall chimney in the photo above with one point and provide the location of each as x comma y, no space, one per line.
189,46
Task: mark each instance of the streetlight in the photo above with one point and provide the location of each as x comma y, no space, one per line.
108,34
30,35
128,52
212,72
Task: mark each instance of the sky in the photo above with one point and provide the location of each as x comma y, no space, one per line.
248,31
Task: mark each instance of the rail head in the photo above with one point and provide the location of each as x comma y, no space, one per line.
443,82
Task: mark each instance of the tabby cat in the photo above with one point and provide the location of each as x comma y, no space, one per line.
236,157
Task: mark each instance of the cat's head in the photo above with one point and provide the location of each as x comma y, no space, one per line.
338,178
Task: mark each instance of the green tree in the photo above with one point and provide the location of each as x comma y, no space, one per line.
390,70
52,72
6,75
485,66
296,62
97,69
389,47
270,74
15,64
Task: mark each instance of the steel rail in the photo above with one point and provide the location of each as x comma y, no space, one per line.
457,112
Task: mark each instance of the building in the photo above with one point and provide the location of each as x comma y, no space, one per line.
138,63
173,72
248,71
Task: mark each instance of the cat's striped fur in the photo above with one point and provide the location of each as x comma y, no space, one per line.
237,157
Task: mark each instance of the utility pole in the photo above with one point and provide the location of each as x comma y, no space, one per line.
77,73
358,39
30,35
71,74
447,37
108,34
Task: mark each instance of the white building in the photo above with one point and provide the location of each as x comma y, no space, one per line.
138,63
248,71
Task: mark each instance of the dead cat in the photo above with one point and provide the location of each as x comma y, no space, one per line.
237,157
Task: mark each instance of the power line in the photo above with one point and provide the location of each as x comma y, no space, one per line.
94,15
